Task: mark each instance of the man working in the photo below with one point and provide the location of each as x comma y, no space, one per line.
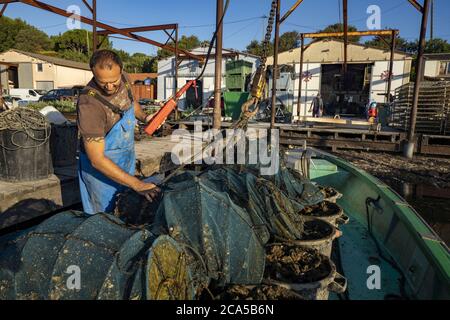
107,114
317,106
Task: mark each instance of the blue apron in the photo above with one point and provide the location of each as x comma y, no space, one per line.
99,193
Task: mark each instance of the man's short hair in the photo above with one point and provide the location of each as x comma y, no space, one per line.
105,59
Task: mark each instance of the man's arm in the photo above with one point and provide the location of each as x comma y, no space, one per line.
95,148
140,114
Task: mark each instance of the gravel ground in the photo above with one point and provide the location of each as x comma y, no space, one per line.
396,171
421,170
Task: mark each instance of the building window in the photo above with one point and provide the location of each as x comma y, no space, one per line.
193,66
40,67
444,69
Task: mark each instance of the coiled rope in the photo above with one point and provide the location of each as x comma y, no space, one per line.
25,121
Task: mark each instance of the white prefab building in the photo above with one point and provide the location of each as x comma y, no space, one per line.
322,64
437,66
190,70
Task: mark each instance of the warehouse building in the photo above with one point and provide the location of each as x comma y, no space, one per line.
437,66
190,69
366,79
41,72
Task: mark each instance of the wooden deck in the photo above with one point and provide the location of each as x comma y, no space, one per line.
348,134
23,201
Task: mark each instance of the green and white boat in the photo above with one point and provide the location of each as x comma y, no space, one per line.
385,236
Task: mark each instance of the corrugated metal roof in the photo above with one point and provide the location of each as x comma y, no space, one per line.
293,55
55,60
141,76
437,56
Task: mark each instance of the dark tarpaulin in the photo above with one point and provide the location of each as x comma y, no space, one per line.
109,254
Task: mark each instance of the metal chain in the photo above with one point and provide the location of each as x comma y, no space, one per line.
269,30
245,115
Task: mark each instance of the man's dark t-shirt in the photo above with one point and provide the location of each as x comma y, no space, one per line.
95,120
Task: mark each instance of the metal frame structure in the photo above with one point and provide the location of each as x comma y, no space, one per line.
128,33
217,115
423,9
392,33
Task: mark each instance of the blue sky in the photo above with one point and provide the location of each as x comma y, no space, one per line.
243,22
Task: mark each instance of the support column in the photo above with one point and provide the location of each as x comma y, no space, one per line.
300,78
408,151
177,115
217,121
391,67
94,26
345,8
275,65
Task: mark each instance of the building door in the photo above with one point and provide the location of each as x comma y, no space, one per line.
194,95
45,85
13,77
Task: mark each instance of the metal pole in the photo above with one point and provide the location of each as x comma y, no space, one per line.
217,120
391,67
94,26
300,77
3,9
64,13
275,65
292,9
409,147
345,8
177,115
432,20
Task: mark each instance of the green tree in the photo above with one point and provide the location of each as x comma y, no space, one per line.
255,47
135,64
339,27
151,65
13,34
73,55
288,40
124,56
185,42
437,45
32,40
138,62
77,43
401,44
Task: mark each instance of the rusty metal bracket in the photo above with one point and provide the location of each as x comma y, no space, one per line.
416,5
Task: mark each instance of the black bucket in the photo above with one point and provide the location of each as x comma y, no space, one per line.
327,211
316,274
318,234
330,194
24,151
64,145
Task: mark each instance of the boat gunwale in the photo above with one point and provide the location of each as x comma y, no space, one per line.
436,250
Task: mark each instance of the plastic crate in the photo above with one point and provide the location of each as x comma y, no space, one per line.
233,103
235,82
241,67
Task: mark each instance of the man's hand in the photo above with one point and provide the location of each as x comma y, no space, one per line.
95,151
148,190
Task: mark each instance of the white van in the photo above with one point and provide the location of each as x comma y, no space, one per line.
25,94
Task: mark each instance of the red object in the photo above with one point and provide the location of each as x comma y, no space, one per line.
166,110
373,112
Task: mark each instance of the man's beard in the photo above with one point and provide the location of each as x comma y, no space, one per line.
110,93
